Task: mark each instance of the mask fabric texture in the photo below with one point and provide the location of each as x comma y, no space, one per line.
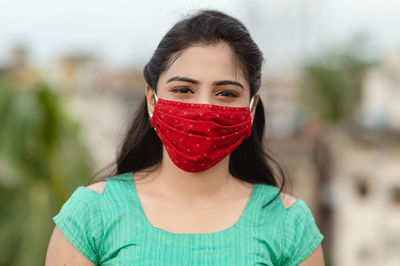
198,136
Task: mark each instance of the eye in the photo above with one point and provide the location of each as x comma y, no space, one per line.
227,94
182,90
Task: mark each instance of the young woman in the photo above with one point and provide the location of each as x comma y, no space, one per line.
193,185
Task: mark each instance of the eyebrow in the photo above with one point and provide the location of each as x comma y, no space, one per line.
183,79
216,83
228,82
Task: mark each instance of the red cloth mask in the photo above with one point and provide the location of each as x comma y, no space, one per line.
198,136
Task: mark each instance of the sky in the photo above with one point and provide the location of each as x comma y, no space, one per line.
122,32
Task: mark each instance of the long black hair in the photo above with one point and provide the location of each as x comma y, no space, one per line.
141,148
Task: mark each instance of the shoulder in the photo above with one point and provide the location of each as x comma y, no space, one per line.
81,222
301,235
290,222
97,187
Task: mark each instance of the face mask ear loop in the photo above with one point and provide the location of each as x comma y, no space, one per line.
151,115
155,96
251,103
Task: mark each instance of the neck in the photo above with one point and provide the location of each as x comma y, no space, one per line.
180,183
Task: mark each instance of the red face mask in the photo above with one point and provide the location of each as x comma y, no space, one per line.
198,136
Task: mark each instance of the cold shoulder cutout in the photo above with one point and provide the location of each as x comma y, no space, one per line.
97,187
287,200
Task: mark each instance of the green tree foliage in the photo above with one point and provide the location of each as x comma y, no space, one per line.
41,162
331,83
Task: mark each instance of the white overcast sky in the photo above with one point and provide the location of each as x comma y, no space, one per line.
123,32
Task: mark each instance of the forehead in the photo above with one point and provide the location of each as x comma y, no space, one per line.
205,63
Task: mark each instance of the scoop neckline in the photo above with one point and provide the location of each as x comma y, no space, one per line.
228,230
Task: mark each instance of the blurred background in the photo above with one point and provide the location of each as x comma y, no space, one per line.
71,78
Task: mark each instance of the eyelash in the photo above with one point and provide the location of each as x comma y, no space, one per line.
180,89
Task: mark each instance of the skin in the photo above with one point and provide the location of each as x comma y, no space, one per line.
204,202
206,65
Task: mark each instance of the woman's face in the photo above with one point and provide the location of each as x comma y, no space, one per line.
205,74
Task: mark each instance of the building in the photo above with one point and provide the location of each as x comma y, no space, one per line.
380,106
366,188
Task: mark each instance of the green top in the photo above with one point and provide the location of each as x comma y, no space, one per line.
111,229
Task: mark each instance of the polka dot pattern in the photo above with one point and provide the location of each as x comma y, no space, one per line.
198,136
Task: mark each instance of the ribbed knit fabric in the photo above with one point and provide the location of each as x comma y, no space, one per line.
111,229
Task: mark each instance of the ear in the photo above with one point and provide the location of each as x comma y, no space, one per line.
151,101
254,107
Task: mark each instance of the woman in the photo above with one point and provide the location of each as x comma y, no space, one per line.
193,185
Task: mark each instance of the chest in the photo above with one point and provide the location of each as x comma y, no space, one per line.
155,231
192,217
233,248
